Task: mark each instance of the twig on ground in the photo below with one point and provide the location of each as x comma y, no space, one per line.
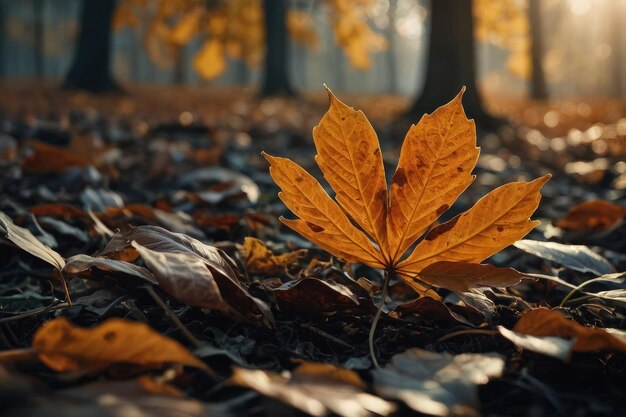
468,331
192,339
326,335
35,312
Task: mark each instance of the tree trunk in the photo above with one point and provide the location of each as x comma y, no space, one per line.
451,63
180,67
276,77
3,48
91,66
241,72
538,89
39,53
616,22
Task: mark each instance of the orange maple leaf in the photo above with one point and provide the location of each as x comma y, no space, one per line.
375,226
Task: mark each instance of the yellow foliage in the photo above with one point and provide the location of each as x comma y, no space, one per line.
128,14
232,28
187,26
353,33
236,29
301,27
210,61
505,23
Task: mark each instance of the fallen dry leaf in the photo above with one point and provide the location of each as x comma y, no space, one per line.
25,240
576,257
176,222
434,309
556,347
51,159
58,210
461,276
313,295
193,272
184,276
65,347
438,384
106,398
79,264
261,260
435,166
592,215
317,389
545,322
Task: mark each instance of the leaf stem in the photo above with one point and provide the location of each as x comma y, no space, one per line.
66,289
468,331
578,288
377,317
184,330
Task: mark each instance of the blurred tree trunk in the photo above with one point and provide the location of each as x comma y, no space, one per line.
339,71
299,53
91,65
180,67
451,63
135,57
538,89
38,34
616,23
391,47
276,76
3,69
241,72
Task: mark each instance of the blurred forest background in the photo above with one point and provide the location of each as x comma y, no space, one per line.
358,46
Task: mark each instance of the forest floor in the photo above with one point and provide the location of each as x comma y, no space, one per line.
77,169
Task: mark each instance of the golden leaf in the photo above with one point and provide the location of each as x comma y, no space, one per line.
261,260
349,156
435,166
544,322
321,220
65,347
496,221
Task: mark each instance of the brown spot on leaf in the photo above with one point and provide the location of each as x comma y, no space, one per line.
442,228
110,336
399,177
67,335
500,228
376,151
299,179
459,169
314,227
442,209
382,195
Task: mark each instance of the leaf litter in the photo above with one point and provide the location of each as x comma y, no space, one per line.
187,265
